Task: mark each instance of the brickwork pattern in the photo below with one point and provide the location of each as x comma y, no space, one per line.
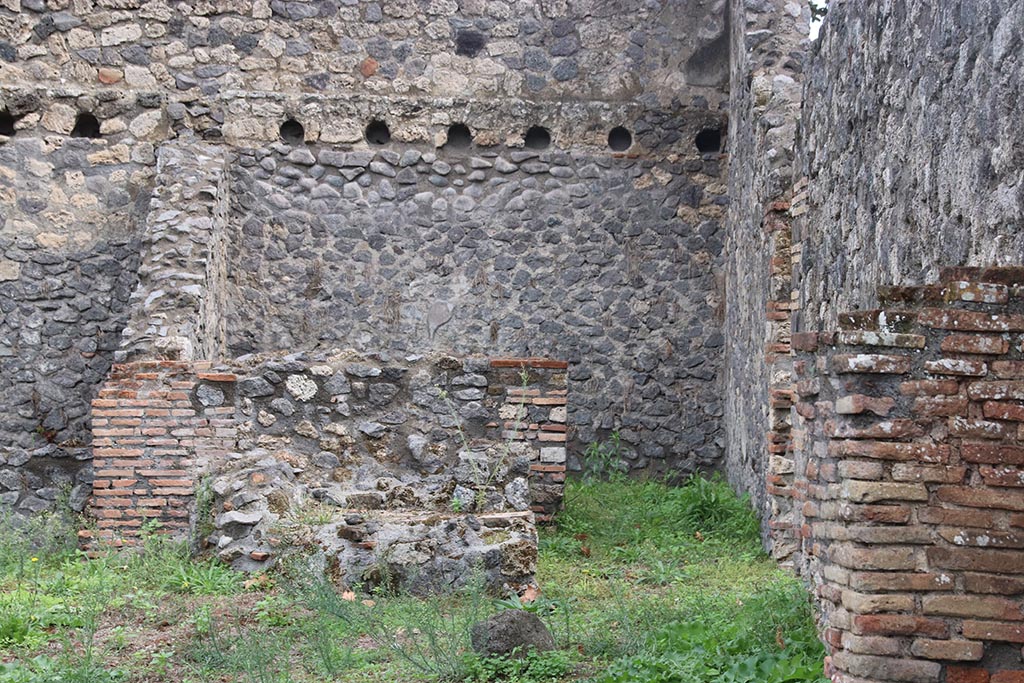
544,426
161,428
908,427
150,446
780,474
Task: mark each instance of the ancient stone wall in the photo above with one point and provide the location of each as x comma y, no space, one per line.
425,467
911,147
237,68
68,260
903,441
609,262
94,94
906,428
177,308
765,99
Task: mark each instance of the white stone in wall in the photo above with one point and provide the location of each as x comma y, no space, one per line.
554,454
145,124
60,118
9,270
115,35
139,77
301,387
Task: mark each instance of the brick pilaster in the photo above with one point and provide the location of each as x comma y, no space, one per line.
148,440
908,434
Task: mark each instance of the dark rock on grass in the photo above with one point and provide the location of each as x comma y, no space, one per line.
503,633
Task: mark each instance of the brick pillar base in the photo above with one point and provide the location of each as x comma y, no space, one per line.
149,440
909,430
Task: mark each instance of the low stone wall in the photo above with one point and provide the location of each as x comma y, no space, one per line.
404,468
907,446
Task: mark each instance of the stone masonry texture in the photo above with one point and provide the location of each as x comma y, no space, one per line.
898,471
416,245
243,242
911,145
509,251
426,466
765,100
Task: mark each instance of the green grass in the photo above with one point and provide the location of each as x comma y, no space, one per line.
641,582
671,585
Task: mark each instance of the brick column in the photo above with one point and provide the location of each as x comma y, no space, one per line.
909,431
150,441
783,495
540,420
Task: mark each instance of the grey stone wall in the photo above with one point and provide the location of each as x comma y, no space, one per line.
764,111
177,310
913,151
68,257
230,73
607,261
204,59
60,322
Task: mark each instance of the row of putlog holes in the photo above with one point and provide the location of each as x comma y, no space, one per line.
620,138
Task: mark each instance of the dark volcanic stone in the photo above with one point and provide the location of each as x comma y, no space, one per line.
509,629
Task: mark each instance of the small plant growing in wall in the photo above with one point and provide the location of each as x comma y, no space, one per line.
603,459
48,435
204,525
484,479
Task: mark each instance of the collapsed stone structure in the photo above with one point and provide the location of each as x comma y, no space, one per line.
292,225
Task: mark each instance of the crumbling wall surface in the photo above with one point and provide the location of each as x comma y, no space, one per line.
386,448
914,157
607,261
205,61
767,63
177,309
408,469
564,244
907,428
68,260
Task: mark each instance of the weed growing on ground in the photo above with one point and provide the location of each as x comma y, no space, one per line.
48,536
431,637
529,667
671,586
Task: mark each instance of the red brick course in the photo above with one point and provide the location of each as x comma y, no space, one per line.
912,459
144,467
